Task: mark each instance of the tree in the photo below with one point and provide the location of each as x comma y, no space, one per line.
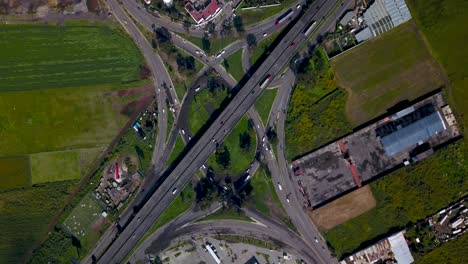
238,24
163,35
211,27
212,84
206,44
223,157
251,40
271,135
187,24
244,141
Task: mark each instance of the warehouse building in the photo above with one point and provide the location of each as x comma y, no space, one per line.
394,141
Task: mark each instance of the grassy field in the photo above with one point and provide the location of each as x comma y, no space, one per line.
406,195
252,16
14,172
178,148
452,252
263,196
443,25
262,46
264,104
55,166
79,221
233,65
385,70
240,158
199,115
48,56
25,214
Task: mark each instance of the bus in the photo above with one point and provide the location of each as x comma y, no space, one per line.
265,81
287,15
310,27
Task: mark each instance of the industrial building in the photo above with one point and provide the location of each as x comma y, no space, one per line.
382,16
392,249
394,141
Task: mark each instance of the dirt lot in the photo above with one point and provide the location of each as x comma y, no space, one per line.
344,208
383,71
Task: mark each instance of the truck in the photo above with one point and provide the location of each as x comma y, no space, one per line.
284,17
310,27
265,81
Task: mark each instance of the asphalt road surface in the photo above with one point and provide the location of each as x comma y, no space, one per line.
221,127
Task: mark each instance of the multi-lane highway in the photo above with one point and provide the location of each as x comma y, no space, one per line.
200,152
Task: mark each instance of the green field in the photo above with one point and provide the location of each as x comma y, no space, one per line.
199,115
240,158
316,112
407,195
178,148
385,70
25,215
263,196
262,46
252,16
14,172
233,65
264,104
48,56
55,119
452,252
81,218
55,166
444,26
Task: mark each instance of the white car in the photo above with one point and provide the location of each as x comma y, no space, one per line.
203,166
279,186
174,191
287,200
298,6
265,34
197,89
316,240
197,52
183,131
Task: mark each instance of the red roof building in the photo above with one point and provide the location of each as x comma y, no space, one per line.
201,15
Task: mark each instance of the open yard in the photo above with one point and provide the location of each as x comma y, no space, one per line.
343,208
203,101
84,215
48,56
25,215
14,172
386,70
55,166
406,195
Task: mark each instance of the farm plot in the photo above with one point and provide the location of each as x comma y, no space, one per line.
381,72
55,166
48,56
14,172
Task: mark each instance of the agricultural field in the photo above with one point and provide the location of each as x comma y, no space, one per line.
233,65
14,172
240,158
25,215
443,26
406,195
55,166
316,112
36,56
264,104
385,70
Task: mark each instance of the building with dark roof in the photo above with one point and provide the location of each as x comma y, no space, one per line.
392,142
252,260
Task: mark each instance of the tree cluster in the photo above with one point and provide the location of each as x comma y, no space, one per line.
238,24
185,63
162,34
223,157
244,141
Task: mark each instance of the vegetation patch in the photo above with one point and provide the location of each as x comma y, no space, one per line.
14,173
262,47
233,65
406,196
252,16
49,56
316,112
238,150
453,251
385,70
264,104
55,166
178,148
25,215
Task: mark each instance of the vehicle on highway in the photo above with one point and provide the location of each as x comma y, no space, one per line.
197,89
293,44
279,186
316,240
183,131
310,27
298,6
220,54
203,166
265,82
265,34
247,178
174,191
287,200
197,52
284,17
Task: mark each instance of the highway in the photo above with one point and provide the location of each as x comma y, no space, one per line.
200,152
